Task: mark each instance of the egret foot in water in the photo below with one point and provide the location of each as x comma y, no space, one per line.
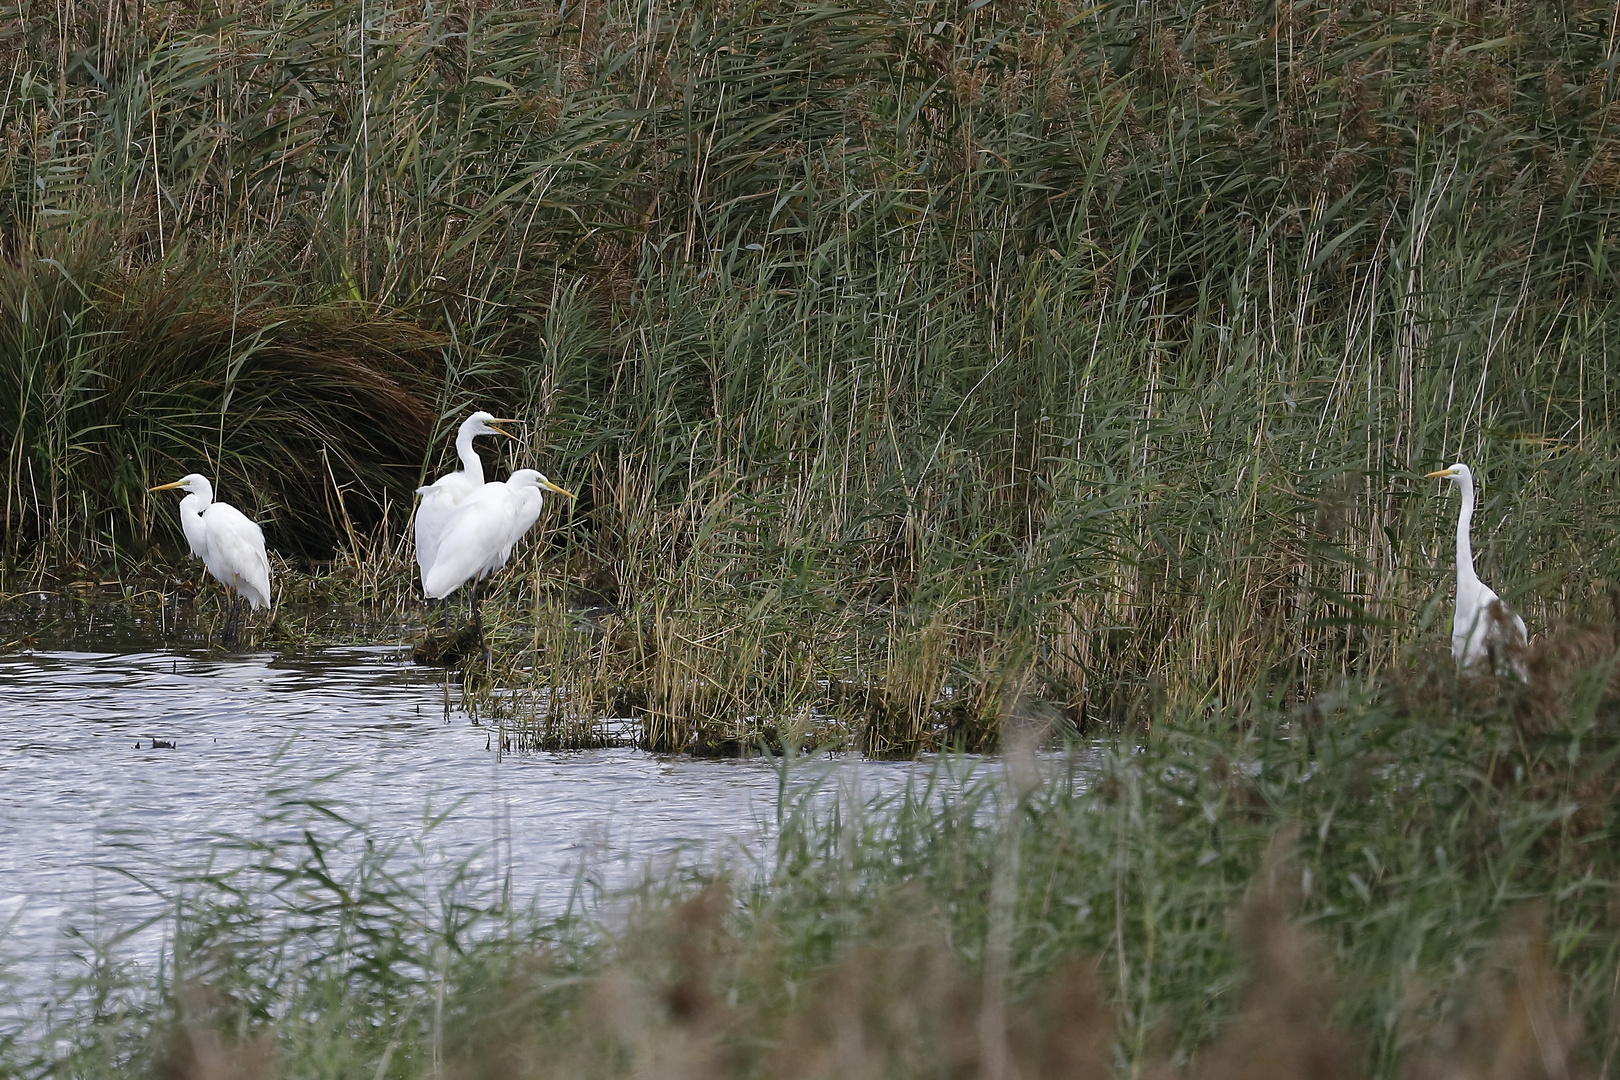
233,622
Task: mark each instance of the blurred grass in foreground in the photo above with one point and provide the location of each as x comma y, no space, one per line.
1409,879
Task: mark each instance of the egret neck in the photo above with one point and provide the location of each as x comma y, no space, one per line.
1465,527
470,462
197,500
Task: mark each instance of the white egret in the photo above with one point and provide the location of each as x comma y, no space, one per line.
442,496
1483,627
482,531
229,544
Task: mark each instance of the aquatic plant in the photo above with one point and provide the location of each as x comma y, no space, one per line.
931,355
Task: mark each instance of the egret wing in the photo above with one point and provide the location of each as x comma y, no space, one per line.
236,554
526,511
474,536
439,499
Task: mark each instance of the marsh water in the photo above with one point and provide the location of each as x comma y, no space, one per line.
123,769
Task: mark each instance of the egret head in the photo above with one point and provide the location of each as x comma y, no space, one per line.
191,484
1458,472
530,478
482,423
549,486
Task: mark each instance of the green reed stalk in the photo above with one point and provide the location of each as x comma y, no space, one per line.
936,353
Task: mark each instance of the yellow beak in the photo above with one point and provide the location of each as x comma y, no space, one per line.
166,487
495,424
558,490
1438,472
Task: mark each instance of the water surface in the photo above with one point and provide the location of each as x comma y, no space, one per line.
120,771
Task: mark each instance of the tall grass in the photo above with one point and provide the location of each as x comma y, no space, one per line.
907,357
1216,900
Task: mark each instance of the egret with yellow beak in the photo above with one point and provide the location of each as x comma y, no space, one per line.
442,496
229,544
482,531
1483,629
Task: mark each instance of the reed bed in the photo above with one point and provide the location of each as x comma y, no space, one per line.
907,357
1216,899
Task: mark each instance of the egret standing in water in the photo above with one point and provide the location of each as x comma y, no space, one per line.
1483,628
442,496
482,531
230,546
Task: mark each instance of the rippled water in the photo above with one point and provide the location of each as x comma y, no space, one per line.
85,795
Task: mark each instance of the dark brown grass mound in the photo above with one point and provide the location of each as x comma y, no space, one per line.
315,420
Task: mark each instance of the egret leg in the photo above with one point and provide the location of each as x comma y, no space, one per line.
445,604
478,622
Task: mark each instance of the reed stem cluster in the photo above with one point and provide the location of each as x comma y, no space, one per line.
905,356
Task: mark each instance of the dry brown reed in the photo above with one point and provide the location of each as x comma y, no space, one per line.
902,1004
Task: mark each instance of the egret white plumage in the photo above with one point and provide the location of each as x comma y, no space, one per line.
230,545
444,494
1483,627
481,532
